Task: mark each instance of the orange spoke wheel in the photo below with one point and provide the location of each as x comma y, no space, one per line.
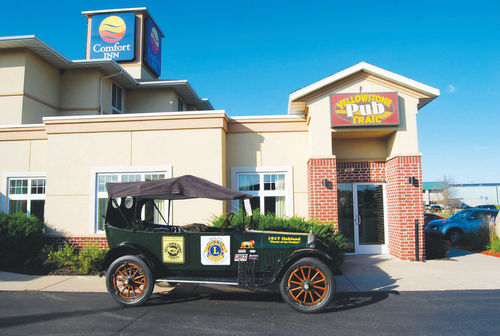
308,285
129,281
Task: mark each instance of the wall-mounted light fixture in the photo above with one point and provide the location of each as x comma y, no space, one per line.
413,181
327,184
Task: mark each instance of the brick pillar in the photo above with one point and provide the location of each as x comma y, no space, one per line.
404,204
322,200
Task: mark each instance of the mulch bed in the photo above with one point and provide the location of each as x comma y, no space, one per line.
497,254
468,249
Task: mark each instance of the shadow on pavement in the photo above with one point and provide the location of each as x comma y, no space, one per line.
348,301
454,252
35,318
342,301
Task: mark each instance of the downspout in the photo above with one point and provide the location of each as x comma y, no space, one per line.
100,87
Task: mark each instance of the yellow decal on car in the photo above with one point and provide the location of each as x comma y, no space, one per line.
173,250
283,240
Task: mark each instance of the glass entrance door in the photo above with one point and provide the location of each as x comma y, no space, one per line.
362,217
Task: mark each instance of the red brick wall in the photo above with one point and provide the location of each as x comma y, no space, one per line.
404,201
322,201
78,241
355,172
404,204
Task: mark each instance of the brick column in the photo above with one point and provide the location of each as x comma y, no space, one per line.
404,204
322,200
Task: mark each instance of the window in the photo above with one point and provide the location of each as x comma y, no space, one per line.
180,105
116,99
26,194
102,194
271,189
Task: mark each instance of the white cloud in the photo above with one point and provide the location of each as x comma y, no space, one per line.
450,88
480,147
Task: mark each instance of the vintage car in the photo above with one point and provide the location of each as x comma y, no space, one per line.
146,248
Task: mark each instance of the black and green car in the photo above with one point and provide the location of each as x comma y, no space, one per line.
143,252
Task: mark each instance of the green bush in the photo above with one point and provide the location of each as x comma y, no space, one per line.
268,222
21,239
84,262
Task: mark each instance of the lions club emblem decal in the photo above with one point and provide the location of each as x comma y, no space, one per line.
215,250
173,250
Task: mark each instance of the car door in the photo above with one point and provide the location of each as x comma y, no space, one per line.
474,221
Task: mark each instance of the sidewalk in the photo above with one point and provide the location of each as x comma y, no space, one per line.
463,270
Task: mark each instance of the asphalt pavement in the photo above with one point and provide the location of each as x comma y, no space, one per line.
196,310
378,295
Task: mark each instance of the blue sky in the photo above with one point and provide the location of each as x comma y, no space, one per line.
247,56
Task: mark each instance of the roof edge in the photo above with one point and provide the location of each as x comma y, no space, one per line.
363,66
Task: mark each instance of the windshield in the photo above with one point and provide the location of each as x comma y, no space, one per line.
460,215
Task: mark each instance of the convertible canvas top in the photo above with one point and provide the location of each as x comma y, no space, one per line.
183,187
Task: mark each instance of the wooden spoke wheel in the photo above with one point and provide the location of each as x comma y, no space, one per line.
308,285
129,281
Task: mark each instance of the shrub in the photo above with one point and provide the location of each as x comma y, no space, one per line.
84,262
268,222
435,247
21,239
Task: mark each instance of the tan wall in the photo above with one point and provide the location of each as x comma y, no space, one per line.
70,193
42,80
34,111
360,149
11,86
12,109
156,100
25,156
403,142
80,92
193,152
272,150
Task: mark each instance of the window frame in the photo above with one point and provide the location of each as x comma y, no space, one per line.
262,171
29,196
114,109
96,194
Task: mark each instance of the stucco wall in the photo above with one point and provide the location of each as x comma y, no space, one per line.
11,86
70,203
30,157
156,100
272,150
402,142
80,92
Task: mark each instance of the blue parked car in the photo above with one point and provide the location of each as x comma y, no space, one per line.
468,220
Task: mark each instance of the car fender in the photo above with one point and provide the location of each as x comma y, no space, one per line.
128,248
300,254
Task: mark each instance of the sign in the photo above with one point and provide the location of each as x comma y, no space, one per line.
112,36
173,250
364,109
215,250
152,52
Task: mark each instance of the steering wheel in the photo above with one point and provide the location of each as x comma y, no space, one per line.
227,221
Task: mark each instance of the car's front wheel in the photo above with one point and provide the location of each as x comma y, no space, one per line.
308,286
129,281
454,236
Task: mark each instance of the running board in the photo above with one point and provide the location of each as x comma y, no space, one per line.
212,282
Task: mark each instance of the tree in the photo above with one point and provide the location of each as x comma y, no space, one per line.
448,193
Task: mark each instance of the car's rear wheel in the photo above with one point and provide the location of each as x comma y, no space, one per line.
129,281
454,236
308,286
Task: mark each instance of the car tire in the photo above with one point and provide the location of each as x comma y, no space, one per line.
129,281
454,236
308,286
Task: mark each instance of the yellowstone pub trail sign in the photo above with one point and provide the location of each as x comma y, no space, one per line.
364,109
